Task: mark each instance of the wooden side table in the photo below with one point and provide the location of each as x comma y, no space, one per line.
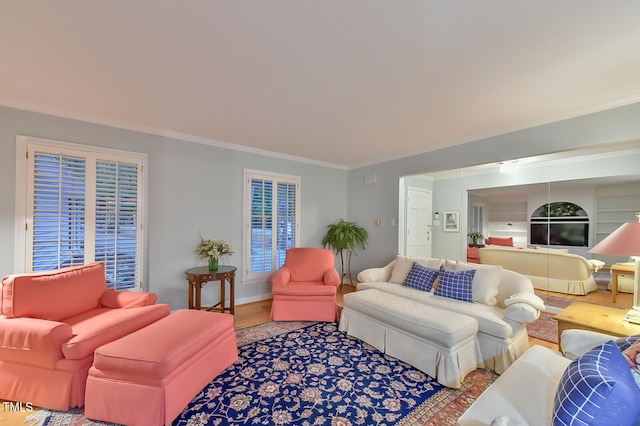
603,319
201,275
617,269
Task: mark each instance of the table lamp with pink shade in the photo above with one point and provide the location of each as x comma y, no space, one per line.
625,241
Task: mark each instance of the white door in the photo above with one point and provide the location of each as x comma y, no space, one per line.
419,206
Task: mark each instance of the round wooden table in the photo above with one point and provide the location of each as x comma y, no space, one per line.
201,275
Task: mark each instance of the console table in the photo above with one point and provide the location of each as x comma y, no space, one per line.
201,275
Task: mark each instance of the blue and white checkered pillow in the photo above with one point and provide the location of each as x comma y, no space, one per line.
597,389
421,277
456,284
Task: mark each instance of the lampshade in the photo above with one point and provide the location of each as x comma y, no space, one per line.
624,241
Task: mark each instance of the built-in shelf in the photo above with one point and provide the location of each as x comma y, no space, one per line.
612,210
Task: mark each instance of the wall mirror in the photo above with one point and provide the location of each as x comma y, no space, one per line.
557,204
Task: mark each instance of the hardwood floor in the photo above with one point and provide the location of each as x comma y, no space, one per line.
623,300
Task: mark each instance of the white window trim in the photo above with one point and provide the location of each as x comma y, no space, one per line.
21,219
246,222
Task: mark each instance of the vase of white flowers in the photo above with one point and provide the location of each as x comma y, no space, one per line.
212,251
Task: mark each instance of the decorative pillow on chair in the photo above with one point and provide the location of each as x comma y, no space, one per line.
455,284
421,277
597,389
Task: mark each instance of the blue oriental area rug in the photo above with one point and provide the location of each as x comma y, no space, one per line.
302,373
312,376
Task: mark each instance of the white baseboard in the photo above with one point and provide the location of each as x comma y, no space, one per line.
254,298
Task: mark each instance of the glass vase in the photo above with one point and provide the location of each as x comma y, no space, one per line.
213,264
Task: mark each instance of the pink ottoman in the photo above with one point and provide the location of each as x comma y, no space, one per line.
148,377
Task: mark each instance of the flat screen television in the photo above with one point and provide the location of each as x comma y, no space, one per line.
560,234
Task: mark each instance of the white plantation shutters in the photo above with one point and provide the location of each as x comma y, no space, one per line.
260,239
84,206
286,224
272,222
58,229
116,225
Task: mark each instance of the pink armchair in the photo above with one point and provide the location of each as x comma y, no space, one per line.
51,324
304,288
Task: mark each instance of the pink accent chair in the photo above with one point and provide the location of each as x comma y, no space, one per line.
51,324
304,288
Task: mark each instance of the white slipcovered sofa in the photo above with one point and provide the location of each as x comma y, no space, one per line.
504,302
548,269
541,382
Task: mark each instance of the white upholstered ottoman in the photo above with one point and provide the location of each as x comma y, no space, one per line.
441,343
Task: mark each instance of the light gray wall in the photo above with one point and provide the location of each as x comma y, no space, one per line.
193,189
449,195
615,125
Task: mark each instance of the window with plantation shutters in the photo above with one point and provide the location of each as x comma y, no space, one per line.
58,227
116,223
83,205
272,206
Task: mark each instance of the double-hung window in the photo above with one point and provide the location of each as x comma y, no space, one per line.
272,205
81,204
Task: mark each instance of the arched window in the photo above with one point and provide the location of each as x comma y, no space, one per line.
560,223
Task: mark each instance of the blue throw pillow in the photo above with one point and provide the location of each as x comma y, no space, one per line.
456,284
597,389
421,277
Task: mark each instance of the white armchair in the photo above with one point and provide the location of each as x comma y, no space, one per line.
524,394
577,342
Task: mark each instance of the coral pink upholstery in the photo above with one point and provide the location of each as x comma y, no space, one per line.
51,324
499,241
148,377
304,288
472,254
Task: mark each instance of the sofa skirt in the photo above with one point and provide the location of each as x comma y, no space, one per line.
58,389
565,286
498,354
448,366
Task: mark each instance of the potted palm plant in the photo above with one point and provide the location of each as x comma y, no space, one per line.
343,236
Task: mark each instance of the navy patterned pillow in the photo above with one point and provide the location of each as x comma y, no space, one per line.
456,284
421,277
597,389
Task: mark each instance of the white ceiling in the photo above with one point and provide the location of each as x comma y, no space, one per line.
343,82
